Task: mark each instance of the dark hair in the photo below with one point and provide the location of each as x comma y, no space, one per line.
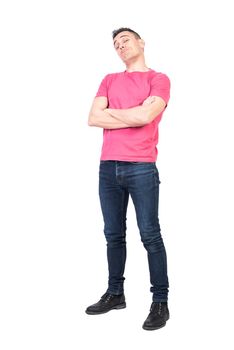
123,29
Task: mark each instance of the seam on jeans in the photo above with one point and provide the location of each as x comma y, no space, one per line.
123,215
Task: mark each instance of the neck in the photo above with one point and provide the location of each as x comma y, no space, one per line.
138,65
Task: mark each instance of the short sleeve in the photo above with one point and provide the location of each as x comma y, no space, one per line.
160,86
102,90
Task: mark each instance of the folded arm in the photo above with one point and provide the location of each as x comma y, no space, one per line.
108,118
140,115
99,117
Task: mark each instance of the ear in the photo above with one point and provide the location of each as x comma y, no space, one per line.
142,43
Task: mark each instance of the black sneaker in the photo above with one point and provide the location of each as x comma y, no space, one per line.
106,303
158,316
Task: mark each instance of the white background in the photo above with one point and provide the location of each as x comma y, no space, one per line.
52,250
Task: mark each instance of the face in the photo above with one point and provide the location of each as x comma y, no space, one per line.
128,46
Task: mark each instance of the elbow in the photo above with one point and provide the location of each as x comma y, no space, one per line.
90,121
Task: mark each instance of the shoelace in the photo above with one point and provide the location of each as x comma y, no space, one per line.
106,297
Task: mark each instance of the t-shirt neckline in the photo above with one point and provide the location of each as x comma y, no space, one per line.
137,71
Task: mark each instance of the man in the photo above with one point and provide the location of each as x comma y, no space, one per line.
129,106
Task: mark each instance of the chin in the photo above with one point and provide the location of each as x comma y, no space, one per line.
126,59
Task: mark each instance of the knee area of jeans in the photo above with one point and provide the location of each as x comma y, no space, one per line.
115,242
151,236
154,249
153,246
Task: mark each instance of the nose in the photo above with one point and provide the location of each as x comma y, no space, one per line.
121,46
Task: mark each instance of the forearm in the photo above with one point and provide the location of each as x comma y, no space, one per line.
140,115
103,119
133,117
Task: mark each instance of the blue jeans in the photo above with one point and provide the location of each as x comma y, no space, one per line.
118,179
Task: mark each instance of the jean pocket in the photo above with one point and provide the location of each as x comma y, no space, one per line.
156,176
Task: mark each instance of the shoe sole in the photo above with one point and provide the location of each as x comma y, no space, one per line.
155,328
117,307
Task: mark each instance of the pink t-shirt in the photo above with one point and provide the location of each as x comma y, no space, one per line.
126,90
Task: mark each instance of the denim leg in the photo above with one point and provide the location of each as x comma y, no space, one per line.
144,190
114,201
